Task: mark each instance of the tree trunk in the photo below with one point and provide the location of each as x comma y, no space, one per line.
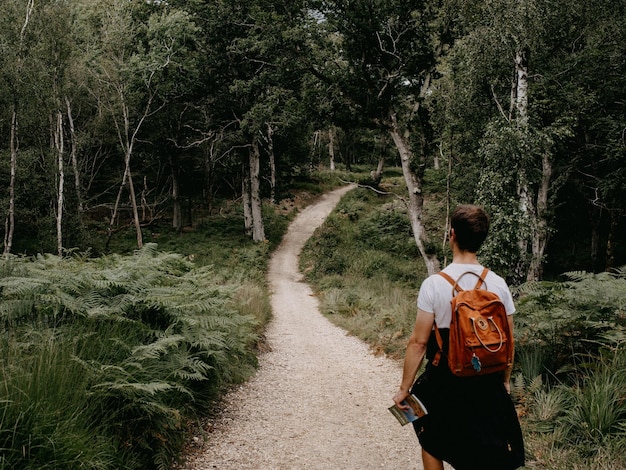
118,199
615,215
416,200
245,197
177,216
133,204
270,151
521,89
520,104
258,228
377,174
540,239
209,174
59,146
331,147
74,159
9,226
595,216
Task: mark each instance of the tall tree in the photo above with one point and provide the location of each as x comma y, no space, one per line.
14,70
519,61
387,65
132,63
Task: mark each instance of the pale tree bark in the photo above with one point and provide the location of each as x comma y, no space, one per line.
74,159
533,207
9,225
415,203
127,138
128,142
331,147
269,143
316,149
118,199
521,107
59,145
540,239
256,206
146,211
377,174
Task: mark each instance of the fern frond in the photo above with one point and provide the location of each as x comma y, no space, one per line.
136,388
156,349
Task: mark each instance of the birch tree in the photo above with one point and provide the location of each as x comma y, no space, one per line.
129,73
515,50
389,50
15,54
267,52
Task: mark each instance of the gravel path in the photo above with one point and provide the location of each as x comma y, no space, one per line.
319,399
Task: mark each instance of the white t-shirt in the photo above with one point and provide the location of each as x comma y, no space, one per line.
435,293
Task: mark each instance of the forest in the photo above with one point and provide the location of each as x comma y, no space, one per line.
135,114
128,123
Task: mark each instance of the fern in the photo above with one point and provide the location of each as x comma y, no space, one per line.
155,336
580,315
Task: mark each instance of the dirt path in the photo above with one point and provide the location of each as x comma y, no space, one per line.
320,398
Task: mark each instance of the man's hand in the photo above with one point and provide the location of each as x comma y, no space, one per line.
399,398
507,387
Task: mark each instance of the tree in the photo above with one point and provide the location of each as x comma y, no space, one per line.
386,68
131,67
524,124
14,69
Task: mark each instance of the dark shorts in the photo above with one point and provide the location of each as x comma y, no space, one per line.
472,421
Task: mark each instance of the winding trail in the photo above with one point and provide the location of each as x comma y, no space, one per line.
319,399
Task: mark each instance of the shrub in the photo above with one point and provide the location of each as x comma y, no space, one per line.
134,346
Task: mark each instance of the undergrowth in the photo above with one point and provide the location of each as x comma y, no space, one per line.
126,348
106,362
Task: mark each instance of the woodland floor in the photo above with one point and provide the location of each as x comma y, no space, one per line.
319,399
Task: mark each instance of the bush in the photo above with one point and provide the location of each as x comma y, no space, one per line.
128,348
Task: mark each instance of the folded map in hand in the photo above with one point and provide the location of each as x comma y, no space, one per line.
416,410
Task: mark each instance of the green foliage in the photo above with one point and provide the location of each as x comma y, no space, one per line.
46,420
579,316
366,269
124,347
581,425
598,411
571,364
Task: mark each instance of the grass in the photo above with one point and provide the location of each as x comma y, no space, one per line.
47,420
127,348
105,362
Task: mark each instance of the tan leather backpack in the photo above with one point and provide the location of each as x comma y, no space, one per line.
480,339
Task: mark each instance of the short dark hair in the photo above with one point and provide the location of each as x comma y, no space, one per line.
471,225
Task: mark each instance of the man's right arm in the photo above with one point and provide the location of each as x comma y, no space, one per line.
415,352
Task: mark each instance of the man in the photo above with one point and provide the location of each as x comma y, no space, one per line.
471,423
